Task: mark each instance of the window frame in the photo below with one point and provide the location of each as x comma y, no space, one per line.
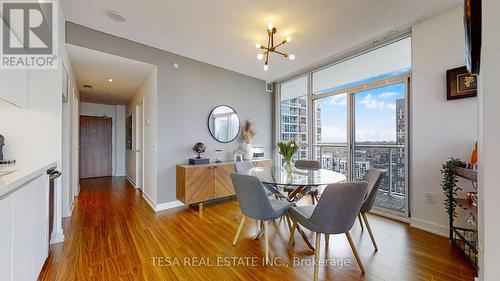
311,136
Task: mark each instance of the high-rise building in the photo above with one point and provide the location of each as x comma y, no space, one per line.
294,122
398,154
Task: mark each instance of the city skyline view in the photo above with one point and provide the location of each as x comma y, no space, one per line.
375,116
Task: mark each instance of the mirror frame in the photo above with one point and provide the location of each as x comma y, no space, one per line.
208,123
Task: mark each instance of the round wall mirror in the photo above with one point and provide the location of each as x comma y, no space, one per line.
224,123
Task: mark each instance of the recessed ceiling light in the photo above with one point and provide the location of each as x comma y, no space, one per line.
110,80
115,15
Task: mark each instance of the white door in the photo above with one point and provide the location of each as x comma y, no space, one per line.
139,145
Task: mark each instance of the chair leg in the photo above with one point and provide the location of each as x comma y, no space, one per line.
291,241
327,240
239,229
288,222
312,199
355,252
370,231
267,242
316,255
360,222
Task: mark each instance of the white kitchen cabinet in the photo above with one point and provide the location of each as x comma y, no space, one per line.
23,226
14,83
6,238
24,231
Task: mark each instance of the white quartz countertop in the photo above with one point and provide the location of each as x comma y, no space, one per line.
21,174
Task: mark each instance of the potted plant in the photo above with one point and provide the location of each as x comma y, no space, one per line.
449,185
247,135
288,149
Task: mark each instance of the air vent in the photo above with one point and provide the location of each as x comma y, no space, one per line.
269,87
87,88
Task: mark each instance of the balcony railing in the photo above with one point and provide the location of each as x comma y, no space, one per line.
390,157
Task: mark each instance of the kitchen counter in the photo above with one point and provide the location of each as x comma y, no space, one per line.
21,174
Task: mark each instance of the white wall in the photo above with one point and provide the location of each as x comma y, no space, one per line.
489,144
440,128
118,139
147,92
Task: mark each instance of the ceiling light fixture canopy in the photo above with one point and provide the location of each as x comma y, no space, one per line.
271,48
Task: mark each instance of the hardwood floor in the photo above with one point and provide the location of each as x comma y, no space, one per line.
114,235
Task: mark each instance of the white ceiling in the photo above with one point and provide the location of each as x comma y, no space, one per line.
224,32
94,68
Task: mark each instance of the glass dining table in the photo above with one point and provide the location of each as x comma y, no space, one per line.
301,182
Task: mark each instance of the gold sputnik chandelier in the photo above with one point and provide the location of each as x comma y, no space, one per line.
271,48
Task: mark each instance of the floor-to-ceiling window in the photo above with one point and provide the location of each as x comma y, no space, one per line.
294,114
357,118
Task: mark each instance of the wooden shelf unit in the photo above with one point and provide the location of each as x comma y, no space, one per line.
463,234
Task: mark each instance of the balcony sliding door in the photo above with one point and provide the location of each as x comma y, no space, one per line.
379,141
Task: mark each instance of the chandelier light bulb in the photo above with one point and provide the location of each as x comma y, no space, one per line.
289,38
291,56
260,56
257,45
270,26
266,67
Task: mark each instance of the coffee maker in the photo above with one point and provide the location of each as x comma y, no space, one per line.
3,161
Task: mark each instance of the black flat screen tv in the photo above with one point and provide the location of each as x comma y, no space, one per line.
472,23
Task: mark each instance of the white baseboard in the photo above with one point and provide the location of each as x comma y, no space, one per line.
57,237
162,206
131,181
150,201
168,205
430,227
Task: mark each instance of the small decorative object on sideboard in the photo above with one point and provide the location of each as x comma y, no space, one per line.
238,155
247,135
218,156
199,148
460,84
258,152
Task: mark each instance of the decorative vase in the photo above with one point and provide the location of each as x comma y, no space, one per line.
288,166
248,152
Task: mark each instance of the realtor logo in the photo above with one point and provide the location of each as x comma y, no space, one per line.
29,35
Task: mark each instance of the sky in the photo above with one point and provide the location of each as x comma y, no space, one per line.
375,118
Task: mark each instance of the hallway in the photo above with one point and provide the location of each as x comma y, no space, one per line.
114,235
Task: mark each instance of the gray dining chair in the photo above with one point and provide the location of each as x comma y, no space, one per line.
242,166
335,213
307,165
373,177
255,204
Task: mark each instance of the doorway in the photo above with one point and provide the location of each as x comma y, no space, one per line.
139,145
95,146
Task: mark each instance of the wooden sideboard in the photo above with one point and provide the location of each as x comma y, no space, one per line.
199,183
